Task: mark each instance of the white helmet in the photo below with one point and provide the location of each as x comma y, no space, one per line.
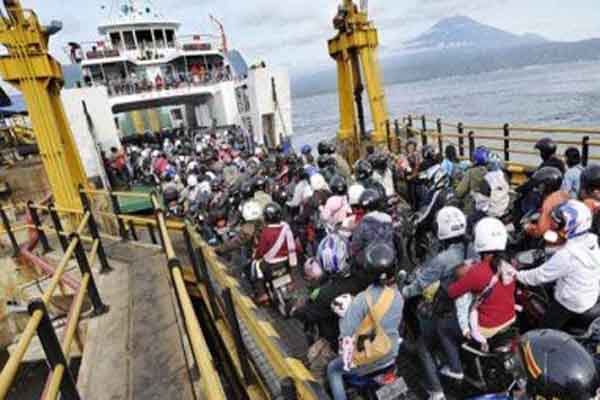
451,223
354,193
332,254
490,235
573,218
192,180
252,211
317,182
146,153
155,153
341,304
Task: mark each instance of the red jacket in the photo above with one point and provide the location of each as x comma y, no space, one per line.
268,237
499,307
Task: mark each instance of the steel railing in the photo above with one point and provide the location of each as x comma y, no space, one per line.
227,303
57,353
60,381
461,133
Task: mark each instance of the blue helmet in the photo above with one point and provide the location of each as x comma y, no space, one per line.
481,156
306,149
333,254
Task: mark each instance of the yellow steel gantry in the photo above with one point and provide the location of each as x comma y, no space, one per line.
28,67
354,48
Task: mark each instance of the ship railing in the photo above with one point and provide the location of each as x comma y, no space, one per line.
254,344
211,383
60,380
186,81
199,42
514,143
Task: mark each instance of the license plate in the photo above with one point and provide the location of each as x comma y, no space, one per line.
392,391
282,281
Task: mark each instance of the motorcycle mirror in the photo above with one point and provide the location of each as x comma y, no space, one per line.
551,237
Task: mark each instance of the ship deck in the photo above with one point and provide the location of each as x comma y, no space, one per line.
138,349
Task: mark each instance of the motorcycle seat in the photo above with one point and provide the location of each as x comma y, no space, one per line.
579,325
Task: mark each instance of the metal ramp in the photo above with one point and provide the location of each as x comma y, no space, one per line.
137,349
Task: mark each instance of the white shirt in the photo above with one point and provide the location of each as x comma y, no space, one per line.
576,269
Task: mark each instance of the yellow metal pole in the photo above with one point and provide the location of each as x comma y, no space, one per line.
28,66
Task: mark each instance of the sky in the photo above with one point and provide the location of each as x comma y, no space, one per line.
294,33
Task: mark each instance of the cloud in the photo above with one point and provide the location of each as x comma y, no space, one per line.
294,33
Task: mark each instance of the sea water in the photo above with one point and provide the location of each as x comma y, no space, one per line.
560,95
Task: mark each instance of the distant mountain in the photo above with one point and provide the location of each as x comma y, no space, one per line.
461,32
461,46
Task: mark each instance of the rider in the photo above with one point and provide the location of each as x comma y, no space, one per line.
383,174
491,282
327,148
356,212
276,246
364,176
557,367
451,227
590,193
546,182
547,149
473,179
375,227
571,183
492,198
251,225
336,208
381,304
575,267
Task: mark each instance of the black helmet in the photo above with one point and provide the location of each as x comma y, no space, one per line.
247,190
325,148
260,184
547,147
572,156
547,180
557,367
590,178
293,159
427,152
216,184
272,213
332,162
379,161
370,200
323,161
380,260
364,170
338,186
280,195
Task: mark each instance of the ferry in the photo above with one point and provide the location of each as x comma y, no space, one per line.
144,76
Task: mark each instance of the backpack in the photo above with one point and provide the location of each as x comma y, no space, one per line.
372,342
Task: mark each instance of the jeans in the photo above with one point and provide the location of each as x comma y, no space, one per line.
424,338
335,376
556,316
451,338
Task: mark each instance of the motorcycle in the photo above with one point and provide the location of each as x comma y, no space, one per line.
534,301
279,284
485,372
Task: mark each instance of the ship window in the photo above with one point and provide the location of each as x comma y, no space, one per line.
160,39
115,40
170,37
129,40
144,39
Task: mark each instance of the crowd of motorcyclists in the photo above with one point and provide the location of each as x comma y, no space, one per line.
308,220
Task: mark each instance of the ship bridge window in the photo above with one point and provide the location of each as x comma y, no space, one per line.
160,39
144,39
115,40
170,38
129,40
